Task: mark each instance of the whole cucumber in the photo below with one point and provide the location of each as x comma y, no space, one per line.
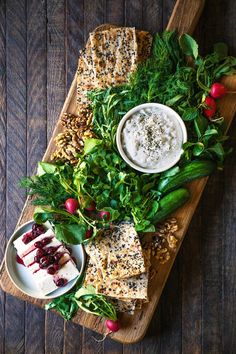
170,202
194,170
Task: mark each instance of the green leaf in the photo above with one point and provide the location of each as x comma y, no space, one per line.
200,124
97,304
90,144
66,305
114,214
40,216
45,167
218,150
198,149
85,291
190,113
189,45
71,233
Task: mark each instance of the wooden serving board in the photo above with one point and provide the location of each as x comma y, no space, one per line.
184,18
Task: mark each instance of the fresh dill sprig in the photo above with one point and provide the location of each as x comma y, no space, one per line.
47,189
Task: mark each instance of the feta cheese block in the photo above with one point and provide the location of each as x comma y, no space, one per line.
48,260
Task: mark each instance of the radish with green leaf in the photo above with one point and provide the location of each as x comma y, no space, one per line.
71,205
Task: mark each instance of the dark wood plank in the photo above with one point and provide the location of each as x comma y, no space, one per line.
229,246
91,345
56,61
134,13
73,338
74,36
152,15
192,287
170,312
94,15
212,235
56,81
115,11
229,250
36,137
54,333
16,152
212,230
3,131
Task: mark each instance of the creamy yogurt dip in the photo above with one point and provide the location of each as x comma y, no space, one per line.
152,138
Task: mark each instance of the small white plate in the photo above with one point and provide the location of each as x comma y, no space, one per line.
21,276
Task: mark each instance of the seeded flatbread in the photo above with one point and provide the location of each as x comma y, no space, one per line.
123,306
125,258
144,40
130,288
98,250
85,75
118,252
93,278
114,55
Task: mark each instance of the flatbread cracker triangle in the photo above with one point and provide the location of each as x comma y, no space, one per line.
94,278
118,252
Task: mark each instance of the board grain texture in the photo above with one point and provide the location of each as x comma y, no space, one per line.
38,59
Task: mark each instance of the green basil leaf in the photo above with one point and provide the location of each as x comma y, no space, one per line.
189,45
71,233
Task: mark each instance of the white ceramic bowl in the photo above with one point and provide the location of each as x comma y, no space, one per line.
21,276
174,116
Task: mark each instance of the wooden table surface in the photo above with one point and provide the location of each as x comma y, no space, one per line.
39,46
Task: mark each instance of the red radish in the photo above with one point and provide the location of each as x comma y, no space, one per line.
71,205
88,233
210,110
104,215
113,326
218,90
91,207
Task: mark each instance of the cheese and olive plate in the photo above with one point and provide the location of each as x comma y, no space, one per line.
145,123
